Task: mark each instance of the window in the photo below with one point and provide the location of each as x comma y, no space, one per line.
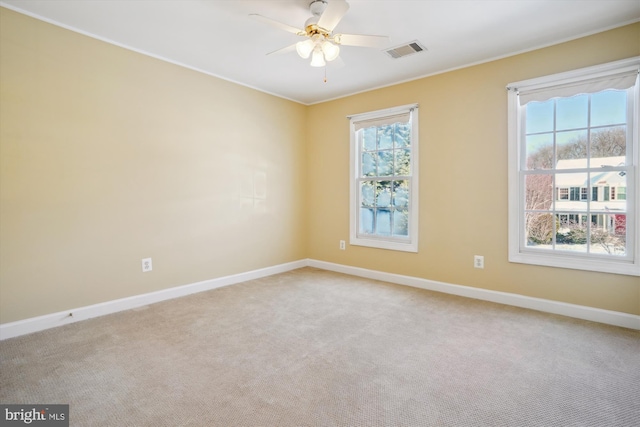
384,179
576,134
563,194
575,193
622,193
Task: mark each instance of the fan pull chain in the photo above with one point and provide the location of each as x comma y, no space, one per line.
325,74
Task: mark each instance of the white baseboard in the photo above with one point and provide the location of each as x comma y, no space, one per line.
35,324
615,318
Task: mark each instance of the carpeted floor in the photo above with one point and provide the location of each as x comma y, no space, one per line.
316,348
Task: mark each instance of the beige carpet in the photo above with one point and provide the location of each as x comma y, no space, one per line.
315,348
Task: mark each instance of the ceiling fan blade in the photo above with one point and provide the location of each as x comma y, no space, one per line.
361,40
334,12
287,49
277,24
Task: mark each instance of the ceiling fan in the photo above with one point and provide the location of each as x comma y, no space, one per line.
321,44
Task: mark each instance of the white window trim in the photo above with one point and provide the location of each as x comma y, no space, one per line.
407,245
517,252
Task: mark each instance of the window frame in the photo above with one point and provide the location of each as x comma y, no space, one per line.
409,244
518,252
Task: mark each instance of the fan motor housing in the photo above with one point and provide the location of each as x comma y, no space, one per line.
313,29
317,7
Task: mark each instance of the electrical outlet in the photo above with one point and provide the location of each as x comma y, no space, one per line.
146,265
478,261
343,245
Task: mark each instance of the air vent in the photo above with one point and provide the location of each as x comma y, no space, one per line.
405,49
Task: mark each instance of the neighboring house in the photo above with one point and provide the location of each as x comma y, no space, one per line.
604,192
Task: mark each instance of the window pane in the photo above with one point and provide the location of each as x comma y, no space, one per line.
611,238
569,189
368,193
385,137
369,164
383,222
403,162
385,163
571,233
616,183
539,151
609,189
384,194
366,221
401,194
571,145
539,230
403,135
369,138
609,142
609,108
539,117
572,113
538,192
401,223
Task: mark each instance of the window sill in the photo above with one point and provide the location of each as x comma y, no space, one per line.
384,244
615,266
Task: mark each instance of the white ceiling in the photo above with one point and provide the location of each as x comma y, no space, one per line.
219,38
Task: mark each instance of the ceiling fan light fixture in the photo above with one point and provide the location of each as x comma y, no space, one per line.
320,43
330,50
305,48
317,59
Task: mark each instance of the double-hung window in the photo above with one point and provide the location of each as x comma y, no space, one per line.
384,179
571,136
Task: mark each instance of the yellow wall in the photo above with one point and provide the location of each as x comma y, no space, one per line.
463,178
108,156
